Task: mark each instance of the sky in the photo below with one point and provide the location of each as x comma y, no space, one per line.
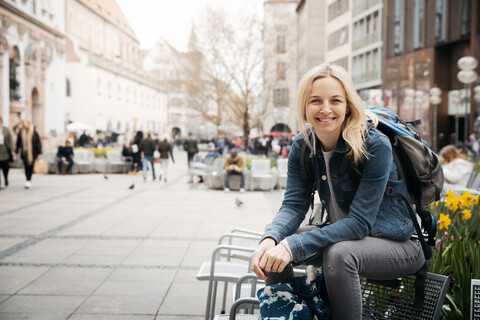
172,19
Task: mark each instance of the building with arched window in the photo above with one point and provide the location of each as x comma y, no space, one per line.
32,65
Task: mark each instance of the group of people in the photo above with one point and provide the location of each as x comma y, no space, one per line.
28,146
141,149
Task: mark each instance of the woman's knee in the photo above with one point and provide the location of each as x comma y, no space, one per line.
339,255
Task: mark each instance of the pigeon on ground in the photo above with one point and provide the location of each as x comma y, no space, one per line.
238,202
105,176
132,186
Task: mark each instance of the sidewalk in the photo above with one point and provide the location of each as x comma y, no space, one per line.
81,247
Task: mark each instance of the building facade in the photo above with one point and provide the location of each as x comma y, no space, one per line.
423,42
311,28
338,33
107,87
367,57
172,70
32,66
280,71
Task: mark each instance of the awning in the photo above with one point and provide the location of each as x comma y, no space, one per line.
79,126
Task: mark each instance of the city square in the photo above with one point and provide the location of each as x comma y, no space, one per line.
86,247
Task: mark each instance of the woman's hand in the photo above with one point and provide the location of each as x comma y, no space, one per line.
269,258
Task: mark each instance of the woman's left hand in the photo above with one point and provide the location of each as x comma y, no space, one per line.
275,259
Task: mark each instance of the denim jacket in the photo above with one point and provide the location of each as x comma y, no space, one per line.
369,211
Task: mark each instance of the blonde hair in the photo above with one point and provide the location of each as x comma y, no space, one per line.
354,126
450,153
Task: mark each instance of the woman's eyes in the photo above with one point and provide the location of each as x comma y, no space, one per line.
335,101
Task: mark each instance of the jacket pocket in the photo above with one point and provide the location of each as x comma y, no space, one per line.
393,221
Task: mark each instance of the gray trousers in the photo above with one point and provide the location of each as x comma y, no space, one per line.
345,262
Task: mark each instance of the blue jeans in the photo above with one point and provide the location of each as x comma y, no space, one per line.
344,262
146,160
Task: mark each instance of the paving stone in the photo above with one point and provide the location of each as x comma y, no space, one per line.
13,279
127,288
139,305
96,250
68,281
110,317
165,276
41,304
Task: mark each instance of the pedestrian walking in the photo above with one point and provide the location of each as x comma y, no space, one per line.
190,145
147,148
29,147
136,154
6,151
165,149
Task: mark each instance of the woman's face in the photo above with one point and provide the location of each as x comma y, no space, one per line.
327,108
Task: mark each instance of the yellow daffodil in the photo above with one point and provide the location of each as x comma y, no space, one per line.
466,214
444,221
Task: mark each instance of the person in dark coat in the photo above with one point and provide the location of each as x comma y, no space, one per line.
147,148
6,150
165,149
136,154
29,147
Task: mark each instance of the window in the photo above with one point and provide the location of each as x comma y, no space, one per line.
398,27
338,38
342,62
417,24
466,16
440,19
281,66
69,92
280,97
281,44
337,8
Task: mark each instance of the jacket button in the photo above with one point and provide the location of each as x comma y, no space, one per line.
324,177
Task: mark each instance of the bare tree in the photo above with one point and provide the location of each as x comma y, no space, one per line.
233,63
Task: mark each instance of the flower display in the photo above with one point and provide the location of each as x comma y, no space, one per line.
457,249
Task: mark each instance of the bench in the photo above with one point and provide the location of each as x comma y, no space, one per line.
381,299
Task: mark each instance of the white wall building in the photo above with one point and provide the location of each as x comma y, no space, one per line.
339,33
106,85
162,61
32,66
280,72
312,43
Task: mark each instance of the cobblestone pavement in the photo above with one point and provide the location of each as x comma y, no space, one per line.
86,246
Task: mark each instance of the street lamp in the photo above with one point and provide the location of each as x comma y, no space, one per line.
455,99
435,99
410,98
467,76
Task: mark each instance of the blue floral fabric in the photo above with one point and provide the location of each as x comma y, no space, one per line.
302,299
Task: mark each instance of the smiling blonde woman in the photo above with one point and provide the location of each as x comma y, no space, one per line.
368,233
